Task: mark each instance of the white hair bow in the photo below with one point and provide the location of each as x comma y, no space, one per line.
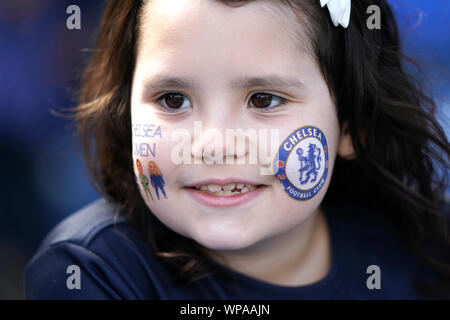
339,11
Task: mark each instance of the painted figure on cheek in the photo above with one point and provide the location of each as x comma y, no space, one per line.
308,163
143,179
156,178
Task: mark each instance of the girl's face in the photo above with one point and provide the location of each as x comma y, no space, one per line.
218,50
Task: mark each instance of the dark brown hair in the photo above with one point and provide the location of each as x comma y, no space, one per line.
398,142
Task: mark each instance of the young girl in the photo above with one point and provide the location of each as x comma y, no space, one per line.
355,213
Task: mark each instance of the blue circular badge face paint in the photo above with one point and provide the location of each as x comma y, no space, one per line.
302,163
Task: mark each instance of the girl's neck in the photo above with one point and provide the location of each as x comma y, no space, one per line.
298,257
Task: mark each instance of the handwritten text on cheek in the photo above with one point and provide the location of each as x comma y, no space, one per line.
145,133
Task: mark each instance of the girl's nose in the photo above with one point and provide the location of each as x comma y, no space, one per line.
210,143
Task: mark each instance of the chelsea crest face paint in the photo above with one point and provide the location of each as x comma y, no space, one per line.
302,163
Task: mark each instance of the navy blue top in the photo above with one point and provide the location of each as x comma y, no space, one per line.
116,263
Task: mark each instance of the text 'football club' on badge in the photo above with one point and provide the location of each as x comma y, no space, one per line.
302,163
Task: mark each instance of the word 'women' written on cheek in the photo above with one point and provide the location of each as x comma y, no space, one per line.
145,132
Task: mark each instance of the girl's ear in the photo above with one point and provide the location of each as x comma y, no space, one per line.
345,148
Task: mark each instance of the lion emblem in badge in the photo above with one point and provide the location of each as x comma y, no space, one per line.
308,168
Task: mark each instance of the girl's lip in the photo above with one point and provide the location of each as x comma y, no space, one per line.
211,200
223,182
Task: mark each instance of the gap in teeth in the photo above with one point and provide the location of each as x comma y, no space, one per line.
228,189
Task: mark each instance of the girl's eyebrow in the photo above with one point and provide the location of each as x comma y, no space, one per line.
267,81
275,81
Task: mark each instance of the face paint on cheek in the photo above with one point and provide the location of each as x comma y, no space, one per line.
156,178
143,180
302,163
147,171
145,137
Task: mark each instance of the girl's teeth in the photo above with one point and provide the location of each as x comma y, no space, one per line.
229,186
226,190
214,188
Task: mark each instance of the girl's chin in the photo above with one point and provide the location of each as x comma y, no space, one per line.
231,244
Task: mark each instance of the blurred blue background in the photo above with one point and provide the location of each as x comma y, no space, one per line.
43,177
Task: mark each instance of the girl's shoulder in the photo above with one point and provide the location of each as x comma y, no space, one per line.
84,225
92,254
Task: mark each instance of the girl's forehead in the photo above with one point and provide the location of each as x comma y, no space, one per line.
212,43
203,24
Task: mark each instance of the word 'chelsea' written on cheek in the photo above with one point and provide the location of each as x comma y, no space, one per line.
143,134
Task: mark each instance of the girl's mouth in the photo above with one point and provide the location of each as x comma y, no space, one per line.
224,195
228,189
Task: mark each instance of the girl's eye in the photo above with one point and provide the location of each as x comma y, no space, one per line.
265,101
178,101
174,101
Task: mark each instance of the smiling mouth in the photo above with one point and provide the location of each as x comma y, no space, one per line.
224,195
227,190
